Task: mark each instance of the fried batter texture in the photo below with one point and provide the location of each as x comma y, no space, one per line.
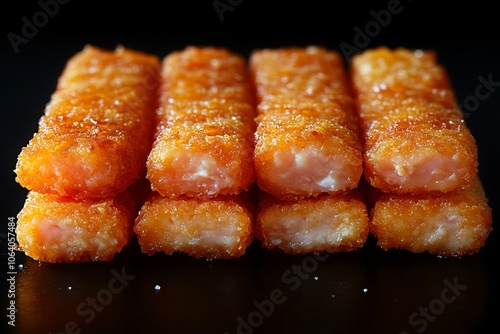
204,141
416,139
54,229
97,130
453,224
327,223
209,228
307,139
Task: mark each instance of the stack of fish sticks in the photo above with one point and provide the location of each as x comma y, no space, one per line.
419,156
82,165
201,163
203,151
308,155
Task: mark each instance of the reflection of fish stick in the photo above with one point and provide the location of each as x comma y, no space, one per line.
306,139
331,223
211,228
97,129
451,224
204,143
55,229
415,137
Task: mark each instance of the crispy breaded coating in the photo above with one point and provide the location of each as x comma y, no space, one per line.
98,127
331,223
210,228
54,229
453,224
204,142
416,139
306,142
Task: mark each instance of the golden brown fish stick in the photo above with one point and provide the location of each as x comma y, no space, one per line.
453,224
307,136
97,130
204,141
331,223
416,139
210,228
55,229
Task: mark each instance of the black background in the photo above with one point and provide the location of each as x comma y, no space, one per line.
208,297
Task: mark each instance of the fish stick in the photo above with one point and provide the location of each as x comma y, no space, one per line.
97,129
307,138
58,229
415,137
209,228
204,141
453,224
327,223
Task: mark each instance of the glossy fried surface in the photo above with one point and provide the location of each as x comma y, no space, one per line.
97,130
204,142
415,138
331,223
213,228
307,136
452,224
61,230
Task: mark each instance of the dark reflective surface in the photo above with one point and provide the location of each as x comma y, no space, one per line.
262,292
